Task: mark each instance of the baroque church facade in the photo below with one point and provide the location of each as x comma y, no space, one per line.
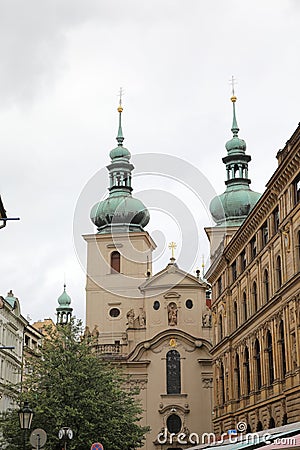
156,327
254,273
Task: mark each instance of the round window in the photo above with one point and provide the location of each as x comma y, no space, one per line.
189,303
156,305
174,423
114,312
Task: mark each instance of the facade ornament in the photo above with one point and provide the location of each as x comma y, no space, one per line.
95,332
286,237
142,318
206,318
87,334
172,314
130,318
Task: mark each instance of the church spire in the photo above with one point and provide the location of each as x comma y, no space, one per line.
120,137
233,206
64,310
120,210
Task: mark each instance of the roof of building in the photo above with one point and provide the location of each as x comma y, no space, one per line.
233,206
120,211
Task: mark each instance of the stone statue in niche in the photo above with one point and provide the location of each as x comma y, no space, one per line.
142,318
172,314
206,318
130,318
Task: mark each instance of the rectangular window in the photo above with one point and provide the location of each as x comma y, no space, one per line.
276,219
265,233
219,283
297,189
243,260
233,271
253,247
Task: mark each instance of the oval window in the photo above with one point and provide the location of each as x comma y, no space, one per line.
156,305
189,303
174,423
114,312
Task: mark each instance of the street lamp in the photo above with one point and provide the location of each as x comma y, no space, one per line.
25,417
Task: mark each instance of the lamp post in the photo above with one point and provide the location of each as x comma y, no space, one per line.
25,417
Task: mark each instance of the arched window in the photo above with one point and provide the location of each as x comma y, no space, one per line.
222,385
282,349
115,262
259,426
270,357
254,294
257,364
266,285
271,423
235,315
220,327
247,370
245,306
236,170
278,273
237,375
173,372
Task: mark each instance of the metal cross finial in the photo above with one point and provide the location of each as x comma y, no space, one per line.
232,82
172,247
121,93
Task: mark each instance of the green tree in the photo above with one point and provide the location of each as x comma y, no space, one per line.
69,386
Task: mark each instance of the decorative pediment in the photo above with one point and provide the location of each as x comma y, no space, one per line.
172,294
170,277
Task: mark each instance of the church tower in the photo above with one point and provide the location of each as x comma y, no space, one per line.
157,327
120,253
230,209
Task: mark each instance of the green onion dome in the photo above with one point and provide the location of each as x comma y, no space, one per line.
120,152
120,209
64,299
233,206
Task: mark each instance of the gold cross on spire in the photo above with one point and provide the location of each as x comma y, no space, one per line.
120,107
172,247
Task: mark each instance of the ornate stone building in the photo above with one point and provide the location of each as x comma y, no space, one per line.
255,263
12,325
157,327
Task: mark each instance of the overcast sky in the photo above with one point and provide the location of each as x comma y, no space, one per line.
61,65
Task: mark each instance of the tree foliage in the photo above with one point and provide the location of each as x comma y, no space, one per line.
69,386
